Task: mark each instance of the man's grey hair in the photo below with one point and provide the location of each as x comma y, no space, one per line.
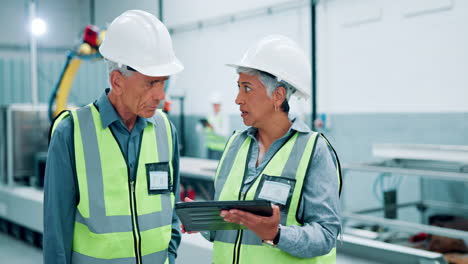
269,81
114,66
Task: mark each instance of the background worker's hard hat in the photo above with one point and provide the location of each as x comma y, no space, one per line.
283,58
138,39
215,99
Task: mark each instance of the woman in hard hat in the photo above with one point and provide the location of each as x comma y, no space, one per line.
278,158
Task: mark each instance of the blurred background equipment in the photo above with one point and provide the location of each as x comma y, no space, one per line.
407,223
216,128
25,133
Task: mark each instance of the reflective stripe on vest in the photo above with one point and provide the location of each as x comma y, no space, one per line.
290,162
113,223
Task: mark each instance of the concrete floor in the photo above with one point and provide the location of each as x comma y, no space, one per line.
18,252
193,248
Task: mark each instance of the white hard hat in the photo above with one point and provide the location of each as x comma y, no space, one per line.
138,39
215,98
283,58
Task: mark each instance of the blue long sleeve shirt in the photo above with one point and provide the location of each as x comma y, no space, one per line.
61,193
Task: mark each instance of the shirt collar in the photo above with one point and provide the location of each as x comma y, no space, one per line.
109,115
297,125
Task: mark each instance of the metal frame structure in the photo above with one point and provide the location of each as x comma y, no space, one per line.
382,252
440,162
21,206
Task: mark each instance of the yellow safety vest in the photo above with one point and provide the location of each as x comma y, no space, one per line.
289,165
118,220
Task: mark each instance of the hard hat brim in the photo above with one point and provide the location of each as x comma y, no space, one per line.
298,93
235,65
248,66
161,70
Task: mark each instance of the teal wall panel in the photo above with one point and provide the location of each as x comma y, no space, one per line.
8,83
15,85
24,79
2,90
15,80
4,81
48,74
89,82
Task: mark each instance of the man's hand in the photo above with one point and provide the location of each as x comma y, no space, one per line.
264,227
182,228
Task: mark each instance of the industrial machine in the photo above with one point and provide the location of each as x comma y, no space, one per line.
425,162
24,135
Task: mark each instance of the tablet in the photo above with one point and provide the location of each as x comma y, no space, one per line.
204,216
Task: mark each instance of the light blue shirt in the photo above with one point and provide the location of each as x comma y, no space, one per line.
61,194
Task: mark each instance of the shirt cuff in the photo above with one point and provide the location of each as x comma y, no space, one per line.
286,238
171,258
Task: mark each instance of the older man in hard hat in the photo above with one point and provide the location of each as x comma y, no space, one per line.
113,167
278,158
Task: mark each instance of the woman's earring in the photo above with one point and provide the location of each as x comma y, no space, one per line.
276,108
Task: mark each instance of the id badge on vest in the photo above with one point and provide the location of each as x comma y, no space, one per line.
158,178
278,190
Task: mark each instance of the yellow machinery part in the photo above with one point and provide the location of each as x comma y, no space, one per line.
65,85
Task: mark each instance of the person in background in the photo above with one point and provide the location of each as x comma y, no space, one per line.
279,159
112,171
216,129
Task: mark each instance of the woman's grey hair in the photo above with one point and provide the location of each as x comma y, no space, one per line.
271,83
114,66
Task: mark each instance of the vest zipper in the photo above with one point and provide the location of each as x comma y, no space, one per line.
133,209
242,196
237,245
136,231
